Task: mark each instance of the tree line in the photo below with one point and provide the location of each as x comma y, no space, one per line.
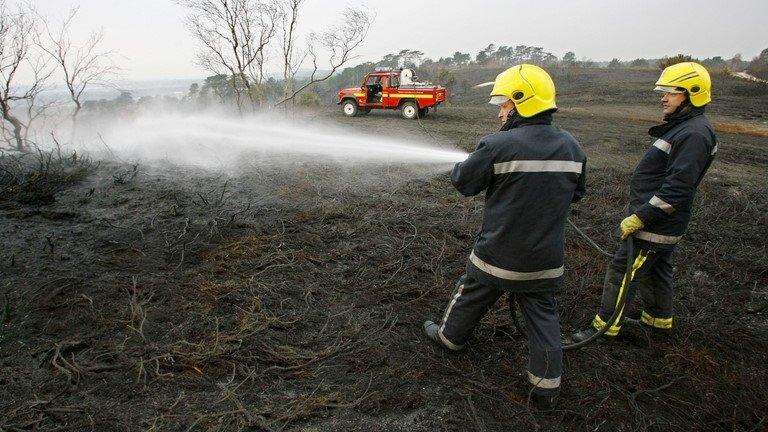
443,70
503,55
216,90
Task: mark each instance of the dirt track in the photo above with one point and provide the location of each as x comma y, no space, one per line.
182,300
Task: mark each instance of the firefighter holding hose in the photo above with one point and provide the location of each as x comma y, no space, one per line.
661,196
531,172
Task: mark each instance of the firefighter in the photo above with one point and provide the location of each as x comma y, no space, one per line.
661,191
531,172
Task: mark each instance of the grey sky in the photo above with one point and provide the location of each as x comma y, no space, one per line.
154,44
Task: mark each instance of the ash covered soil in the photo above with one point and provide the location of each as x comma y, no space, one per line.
292,298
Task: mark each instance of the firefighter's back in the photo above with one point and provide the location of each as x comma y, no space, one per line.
537,172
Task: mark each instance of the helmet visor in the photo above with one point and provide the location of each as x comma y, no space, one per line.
668,89
498,100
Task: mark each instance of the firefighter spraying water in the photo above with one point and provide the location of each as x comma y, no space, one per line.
530,172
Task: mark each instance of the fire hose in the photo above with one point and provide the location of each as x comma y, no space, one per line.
620,302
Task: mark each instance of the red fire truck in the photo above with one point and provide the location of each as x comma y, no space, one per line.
386,88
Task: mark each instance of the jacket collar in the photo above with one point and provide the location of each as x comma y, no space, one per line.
672,120
515,120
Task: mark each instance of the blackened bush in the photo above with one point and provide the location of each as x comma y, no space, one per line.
739,87
35,177
669,61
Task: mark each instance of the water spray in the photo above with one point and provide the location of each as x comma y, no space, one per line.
213,142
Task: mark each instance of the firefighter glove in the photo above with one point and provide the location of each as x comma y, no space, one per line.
629,225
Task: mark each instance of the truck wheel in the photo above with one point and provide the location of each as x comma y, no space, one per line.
349,108
423,112
409,110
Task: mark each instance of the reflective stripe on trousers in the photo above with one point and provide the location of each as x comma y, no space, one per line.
660,323
447,314
598,323
544,383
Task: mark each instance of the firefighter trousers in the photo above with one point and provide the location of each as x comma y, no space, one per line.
651,274
471,300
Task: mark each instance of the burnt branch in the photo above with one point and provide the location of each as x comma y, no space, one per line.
339,42
82,65
233,37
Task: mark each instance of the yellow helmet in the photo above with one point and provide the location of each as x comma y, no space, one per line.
529,87
691,76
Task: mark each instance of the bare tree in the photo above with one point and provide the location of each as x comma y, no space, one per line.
34,106
81,66
234,35
261,22
18,31
339,42
289,19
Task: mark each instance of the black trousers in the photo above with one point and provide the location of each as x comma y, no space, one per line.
651,274
471,300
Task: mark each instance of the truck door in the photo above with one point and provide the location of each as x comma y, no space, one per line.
390,84
373,90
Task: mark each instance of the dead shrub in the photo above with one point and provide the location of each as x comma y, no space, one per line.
35,177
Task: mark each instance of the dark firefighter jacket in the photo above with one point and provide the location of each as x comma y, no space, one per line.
530,171
664,183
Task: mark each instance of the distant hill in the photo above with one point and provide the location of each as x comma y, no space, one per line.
139,88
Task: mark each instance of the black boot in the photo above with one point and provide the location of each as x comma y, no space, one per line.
632,317
431,330
543,402
583,335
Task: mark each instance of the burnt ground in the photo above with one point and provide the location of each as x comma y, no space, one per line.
165,299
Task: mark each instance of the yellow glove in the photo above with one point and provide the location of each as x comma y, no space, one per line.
629,225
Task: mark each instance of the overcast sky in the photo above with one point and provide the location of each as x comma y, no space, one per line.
154,43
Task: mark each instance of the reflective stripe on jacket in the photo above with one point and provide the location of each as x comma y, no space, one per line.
530,171
664,183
